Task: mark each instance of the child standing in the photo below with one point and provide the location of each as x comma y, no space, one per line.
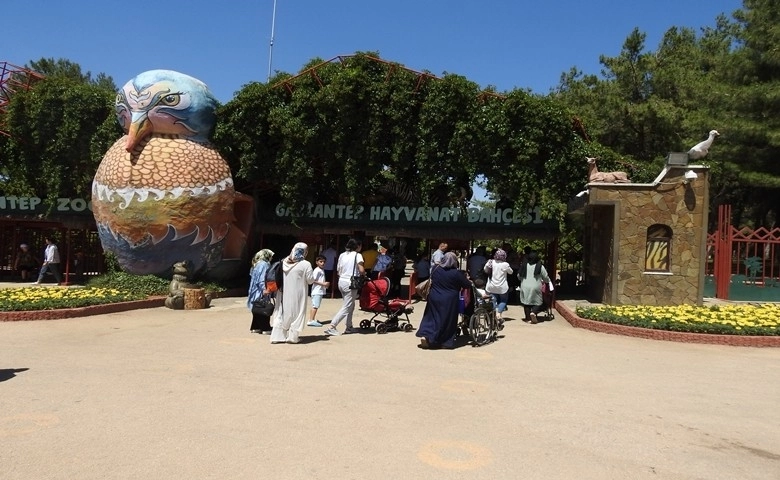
318,289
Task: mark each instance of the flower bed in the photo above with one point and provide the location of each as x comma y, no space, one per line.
747,319
52,298
52,303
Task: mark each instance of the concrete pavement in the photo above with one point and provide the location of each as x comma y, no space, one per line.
164,394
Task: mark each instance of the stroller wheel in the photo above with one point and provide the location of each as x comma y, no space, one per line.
408,327
365,324
381,328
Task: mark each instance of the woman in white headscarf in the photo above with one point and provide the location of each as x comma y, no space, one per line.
290,315
497,269
260,264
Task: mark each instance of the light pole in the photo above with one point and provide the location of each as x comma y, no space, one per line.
271,48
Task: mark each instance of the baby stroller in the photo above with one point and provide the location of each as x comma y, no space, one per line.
374,298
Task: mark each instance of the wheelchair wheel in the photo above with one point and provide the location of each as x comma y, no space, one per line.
481,327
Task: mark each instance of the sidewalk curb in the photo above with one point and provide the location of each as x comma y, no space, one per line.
63,313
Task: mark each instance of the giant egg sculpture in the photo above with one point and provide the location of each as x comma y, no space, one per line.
162,194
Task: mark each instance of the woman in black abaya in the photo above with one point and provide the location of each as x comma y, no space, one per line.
439,324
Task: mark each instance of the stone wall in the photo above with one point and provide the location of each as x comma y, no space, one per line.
669,201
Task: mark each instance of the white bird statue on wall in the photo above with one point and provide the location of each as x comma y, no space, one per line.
700,150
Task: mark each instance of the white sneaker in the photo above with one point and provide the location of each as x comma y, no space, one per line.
332,331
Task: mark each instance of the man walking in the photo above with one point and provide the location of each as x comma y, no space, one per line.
51,262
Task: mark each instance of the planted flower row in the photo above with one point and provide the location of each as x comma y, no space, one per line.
50,298
763,319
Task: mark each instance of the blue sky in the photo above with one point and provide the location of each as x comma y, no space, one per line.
507,43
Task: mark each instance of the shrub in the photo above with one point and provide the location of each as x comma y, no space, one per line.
146,285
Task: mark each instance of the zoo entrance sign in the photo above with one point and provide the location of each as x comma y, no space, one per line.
41,205
416,215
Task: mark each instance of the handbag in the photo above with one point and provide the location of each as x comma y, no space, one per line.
263,306
423,288
357,281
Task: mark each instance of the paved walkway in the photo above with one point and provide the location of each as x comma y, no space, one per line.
163,394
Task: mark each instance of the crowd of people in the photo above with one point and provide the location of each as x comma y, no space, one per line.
496,275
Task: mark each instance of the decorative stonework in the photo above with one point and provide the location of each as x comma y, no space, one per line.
669,201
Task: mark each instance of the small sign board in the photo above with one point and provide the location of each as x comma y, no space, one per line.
677,159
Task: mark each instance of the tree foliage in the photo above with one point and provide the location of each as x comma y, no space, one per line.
362,129
59,132
649,103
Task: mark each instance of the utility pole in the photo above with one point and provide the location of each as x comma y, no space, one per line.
271,48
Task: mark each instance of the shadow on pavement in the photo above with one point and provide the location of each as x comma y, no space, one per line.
9,373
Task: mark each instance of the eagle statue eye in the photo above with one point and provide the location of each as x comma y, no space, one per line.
170,100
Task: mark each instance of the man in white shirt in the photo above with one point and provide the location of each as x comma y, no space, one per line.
51,262
438,255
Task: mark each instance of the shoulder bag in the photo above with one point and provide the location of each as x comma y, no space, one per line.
357,280
423,288
263,306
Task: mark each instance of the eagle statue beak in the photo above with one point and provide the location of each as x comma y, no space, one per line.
140,127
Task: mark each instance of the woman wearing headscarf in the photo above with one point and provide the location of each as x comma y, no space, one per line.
290,314
260,264
497,269
439,323
532,275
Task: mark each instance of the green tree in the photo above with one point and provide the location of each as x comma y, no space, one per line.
59,132
362,129
753,138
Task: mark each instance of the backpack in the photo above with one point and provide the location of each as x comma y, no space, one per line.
274,277
523,267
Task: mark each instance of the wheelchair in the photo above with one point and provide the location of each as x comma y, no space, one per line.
481,323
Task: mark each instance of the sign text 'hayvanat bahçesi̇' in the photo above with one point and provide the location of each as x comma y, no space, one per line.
414,214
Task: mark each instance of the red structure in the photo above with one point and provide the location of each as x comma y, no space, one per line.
13,79
743,256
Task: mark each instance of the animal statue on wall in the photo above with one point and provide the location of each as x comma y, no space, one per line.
701,149
162,192
594,176
179,282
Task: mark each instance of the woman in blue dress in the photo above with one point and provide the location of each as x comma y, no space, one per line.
439,324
